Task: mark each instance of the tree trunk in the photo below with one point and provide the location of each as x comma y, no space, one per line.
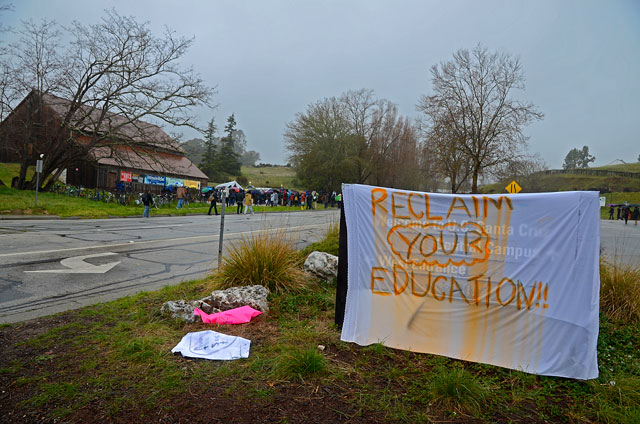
24,166
474,185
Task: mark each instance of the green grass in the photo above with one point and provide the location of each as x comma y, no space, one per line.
458,390
271,176
570,182
625,167
303,363
10,170
116,358
22,202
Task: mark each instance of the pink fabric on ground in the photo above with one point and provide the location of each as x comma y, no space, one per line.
239,315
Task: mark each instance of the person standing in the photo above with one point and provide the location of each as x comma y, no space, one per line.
625,213
213,198
636,215
611,212
147,201
248,202
239,199
181,193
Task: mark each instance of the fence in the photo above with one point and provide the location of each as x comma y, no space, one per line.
592,172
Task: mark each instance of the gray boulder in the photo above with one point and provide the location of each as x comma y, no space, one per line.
179,309
234,297
322,265
218,301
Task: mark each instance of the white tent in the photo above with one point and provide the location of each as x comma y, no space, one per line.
230,184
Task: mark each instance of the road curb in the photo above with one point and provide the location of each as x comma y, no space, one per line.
25,217
44,217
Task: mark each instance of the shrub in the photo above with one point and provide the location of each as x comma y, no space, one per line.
303,363
620,291
458,389
266,258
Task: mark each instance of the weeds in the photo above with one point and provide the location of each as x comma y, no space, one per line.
265,258
458,389
618,400
302,363
620,292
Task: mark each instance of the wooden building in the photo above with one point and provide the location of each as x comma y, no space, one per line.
138,155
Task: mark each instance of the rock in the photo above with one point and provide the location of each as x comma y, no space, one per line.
218,301
234,297
322,265
179,309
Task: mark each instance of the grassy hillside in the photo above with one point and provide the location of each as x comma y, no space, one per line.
627,167
568,182
271,176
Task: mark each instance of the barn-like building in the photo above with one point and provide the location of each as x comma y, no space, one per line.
143,157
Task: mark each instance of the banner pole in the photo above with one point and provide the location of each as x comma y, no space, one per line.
341,288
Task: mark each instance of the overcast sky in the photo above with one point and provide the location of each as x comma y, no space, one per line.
270,59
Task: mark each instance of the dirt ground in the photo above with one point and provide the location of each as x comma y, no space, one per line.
204,402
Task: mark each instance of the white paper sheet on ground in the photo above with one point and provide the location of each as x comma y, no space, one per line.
213,345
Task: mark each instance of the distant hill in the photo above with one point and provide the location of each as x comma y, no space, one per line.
605,179
623,167
271,176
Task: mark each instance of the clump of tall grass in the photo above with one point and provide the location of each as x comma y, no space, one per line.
266,258
620,291
303,363
458,389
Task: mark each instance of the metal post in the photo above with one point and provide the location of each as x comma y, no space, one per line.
224,204
38,171
37,185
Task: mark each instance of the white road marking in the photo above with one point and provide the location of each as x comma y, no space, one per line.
211,236
77,265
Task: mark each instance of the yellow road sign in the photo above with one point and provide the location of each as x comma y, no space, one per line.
513,187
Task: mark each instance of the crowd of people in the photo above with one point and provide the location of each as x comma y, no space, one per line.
625,212
241,198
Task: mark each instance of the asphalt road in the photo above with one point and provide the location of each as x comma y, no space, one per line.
49,266
619,242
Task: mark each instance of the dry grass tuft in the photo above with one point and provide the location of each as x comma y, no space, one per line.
266,258
620,291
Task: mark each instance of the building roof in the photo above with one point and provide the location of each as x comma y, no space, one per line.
161,163
169,159
114,125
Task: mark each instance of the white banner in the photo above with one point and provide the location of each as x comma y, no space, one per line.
508,280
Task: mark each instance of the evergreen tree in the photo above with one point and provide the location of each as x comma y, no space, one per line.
209,164
228,159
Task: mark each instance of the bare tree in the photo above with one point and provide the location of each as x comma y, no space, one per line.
473,94
110,79
525,171
443,146
354,138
